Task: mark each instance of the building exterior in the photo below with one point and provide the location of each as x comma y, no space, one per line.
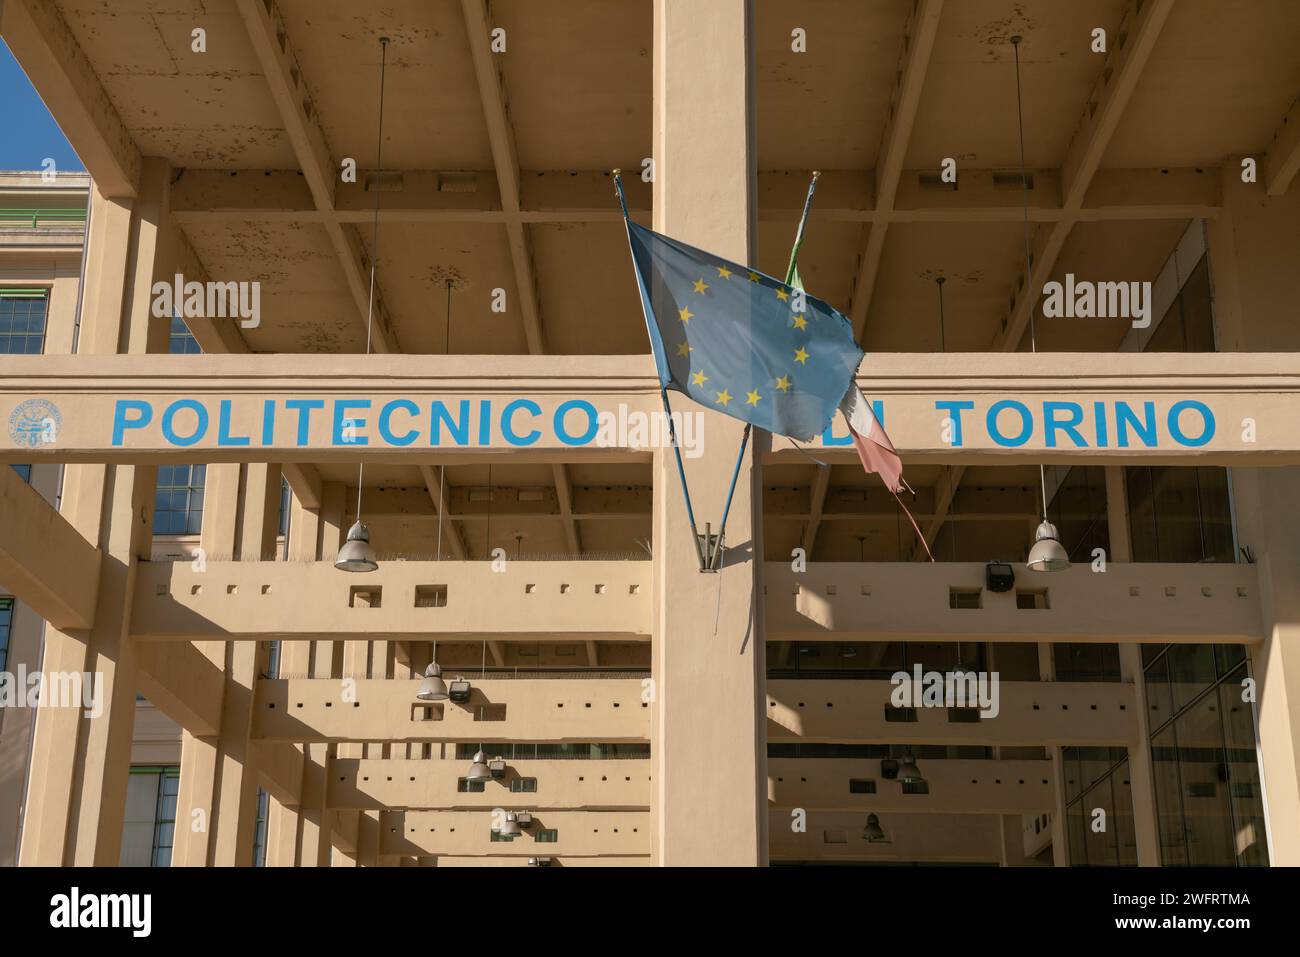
444,341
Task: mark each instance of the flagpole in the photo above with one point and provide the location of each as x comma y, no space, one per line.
791,272
663,395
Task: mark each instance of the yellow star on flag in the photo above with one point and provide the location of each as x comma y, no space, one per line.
753,276
724,397
683,348
800,322
699,378
783,383
723,272
701,285
751,398
684,314
801,356
782,294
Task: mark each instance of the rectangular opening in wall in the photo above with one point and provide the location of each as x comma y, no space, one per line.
499,838
933,182
430,596
469,787
834,836
490,712
523,786
426,712
964,597
548,836
1201,789
900,715
916,787
365,596
1010,179
1028,599
862,786
963,715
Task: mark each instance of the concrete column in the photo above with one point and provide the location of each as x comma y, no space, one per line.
1060,840
196,798
1013,840
709,804
1254,246
80,766
1141,769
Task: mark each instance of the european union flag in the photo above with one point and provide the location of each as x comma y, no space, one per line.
741,342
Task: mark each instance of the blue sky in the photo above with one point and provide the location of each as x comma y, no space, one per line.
30,133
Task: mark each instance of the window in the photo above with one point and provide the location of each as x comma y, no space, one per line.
6,622
259,831
149,825
22,321
178,501
548,836
523,786
180,342
1180,514
499,838
1086,661
469,787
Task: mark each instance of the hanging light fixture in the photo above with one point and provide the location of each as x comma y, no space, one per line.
873,832
357,554
1047,553
908,772
510,826
961,667
478,771
432,688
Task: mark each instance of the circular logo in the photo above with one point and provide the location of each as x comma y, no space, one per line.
35,423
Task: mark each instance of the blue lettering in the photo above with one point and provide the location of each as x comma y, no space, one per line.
304,408
459,430
563,410
507,425
144,415
1175,425
1026,423
223,426
268,422
954,408
385,427
341,422
1146,429
200,425
1051,423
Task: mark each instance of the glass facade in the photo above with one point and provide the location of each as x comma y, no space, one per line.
1078,510
259,831
180,342
6,623
1179,514
149,826
178,502
1099,807
22,321
1208,796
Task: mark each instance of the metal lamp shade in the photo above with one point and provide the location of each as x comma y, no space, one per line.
356,555
511,827
908,772
873,832
478,771
1048,554
432,688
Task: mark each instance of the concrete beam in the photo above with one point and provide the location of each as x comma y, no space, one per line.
44,560
49,54
856,601
920,36
1283,158
585,196
1184,392
288,87
183,684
